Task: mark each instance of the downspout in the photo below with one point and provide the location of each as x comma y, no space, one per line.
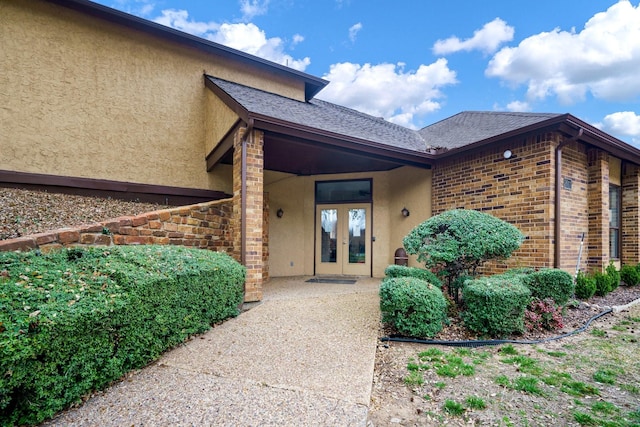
243,191
558,190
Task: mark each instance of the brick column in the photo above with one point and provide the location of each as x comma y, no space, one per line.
630,214
251,225
598,210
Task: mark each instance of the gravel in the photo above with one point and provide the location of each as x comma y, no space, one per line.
24,212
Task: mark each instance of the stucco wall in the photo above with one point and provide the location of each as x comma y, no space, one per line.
86,98
292,237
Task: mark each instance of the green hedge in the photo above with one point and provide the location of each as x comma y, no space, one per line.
550,283
419,273
495,306
75,320
630,275
585,286
412,306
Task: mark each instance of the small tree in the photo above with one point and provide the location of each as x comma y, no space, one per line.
458,241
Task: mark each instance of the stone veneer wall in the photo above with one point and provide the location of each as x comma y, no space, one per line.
519,190
204,226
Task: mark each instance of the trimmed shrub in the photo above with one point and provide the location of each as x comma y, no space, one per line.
419,273
495,306
73,321
550,283
585,286
458,241
604,283
630,275
614,274
412,306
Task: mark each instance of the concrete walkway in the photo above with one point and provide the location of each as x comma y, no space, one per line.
304,356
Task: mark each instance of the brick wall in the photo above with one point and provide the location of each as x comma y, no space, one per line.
518,190
204,226
630,231
598,201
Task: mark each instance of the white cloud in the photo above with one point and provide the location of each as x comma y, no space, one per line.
135,7
603,59
179,19
519,106
253,8
354,30
245,37
625,123
486,40
386,90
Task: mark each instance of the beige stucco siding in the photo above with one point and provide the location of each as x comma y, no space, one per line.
292,237
86,98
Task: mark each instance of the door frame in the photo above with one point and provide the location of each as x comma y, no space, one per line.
341,260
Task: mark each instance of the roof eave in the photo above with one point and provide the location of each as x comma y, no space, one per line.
313,84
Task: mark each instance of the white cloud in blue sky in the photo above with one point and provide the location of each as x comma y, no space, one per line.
252,8
354,30
487,39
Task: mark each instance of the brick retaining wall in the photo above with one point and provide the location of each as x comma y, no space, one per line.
203,225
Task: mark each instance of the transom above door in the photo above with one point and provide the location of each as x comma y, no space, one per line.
343,239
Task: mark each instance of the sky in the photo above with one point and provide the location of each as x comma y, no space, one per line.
416,62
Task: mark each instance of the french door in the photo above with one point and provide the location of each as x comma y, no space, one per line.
343,239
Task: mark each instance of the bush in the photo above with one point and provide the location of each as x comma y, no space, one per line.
419,273
543,314
585,286
614,274
550,283
495,306
412,306
75,320
630,275
458,241
604,283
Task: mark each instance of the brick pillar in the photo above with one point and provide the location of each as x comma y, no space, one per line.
598,210
252,223
630,214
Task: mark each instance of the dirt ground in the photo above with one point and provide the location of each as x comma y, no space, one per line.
591,378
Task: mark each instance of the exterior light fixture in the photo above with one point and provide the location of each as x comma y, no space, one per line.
405,212
280,213
507,154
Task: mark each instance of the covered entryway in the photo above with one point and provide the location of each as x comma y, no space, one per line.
343,239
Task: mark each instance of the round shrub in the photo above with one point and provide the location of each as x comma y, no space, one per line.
495,306
585,286
412,306
550,283
419,273
630,275
604,283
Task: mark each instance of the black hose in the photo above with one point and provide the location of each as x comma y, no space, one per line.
480,343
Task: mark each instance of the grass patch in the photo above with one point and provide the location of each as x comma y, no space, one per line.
578,388
605,376
453,367
606,408
431,355
509,349
475,402
556,353
556,378
584,419
452,407
598,333
523,383
440,385
414,378
630,388
525,364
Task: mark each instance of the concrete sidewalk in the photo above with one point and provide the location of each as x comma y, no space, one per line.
304,356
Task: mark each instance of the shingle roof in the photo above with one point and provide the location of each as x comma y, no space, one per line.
323,115
472,126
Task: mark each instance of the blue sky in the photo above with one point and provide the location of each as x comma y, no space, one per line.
417,62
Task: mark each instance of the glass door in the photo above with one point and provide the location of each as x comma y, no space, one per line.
343,239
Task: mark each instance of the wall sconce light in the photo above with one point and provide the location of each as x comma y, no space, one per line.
405,212
507,154
279,213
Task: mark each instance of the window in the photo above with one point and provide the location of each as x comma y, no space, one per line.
615,206
344,191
